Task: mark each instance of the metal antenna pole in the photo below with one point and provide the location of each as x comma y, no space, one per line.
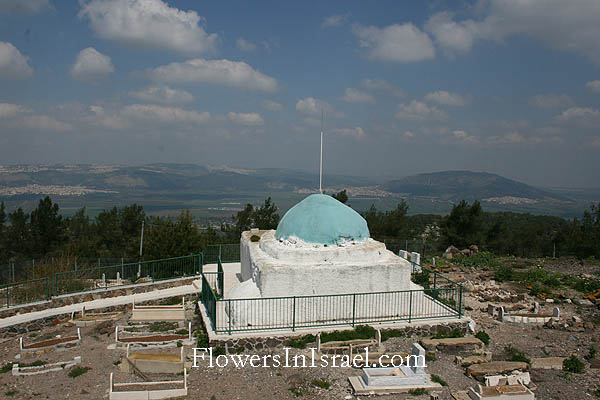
321,163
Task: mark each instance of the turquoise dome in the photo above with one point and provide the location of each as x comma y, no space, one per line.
321,219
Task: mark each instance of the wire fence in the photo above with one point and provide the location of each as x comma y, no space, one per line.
228,253
82,280
34,268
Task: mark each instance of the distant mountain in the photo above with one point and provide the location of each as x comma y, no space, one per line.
468,185
168,177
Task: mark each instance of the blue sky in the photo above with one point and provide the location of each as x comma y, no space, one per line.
510,87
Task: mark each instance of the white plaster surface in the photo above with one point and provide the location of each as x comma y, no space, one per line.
283,268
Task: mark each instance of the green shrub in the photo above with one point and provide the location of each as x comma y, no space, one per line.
202,342
390,333
437,379
162,326
482,259
430,356
295,391
36,363
514,354
505,273
301,342
483,336
359,332
321,383
6,367
11,393
454,333
422,278
573,364
417,392
75,372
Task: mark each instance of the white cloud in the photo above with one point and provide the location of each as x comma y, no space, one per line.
583,116
155,113
249,119
594,86
558,24
356,132
463,136
148,23
8,110
516,138
446,98
550,100
223,72
162,94
13,64
417,110
45,123
245,45
453,37
91,66
382,86
401,43
19,117
352,95
334,20
312,107
272,105
23,6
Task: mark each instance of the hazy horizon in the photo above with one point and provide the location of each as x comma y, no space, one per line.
504,87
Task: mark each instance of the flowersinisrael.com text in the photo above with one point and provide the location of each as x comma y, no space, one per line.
312,360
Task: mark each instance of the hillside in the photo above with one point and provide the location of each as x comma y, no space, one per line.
468,185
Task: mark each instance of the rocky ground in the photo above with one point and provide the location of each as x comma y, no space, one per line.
577,333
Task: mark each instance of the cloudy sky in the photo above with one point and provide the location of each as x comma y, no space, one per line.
505,86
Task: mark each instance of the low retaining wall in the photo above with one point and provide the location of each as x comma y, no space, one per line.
43,369
158,313
156,363
50,343
272,340
155,394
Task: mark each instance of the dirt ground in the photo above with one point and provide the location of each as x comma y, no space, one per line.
277,382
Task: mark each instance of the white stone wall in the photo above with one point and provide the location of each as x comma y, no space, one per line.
280,269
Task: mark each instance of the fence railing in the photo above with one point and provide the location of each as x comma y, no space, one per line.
220,277
83,280
229,253
238,315
293,312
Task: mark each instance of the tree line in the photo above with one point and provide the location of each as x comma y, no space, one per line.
116,232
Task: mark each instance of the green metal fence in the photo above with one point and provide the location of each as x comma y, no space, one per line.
220,277
229,253
293,312
83,280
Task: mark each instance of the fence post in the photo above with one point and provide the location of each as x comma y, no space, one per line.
294,315
353,308
410,307
7,296
229,314
460,291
